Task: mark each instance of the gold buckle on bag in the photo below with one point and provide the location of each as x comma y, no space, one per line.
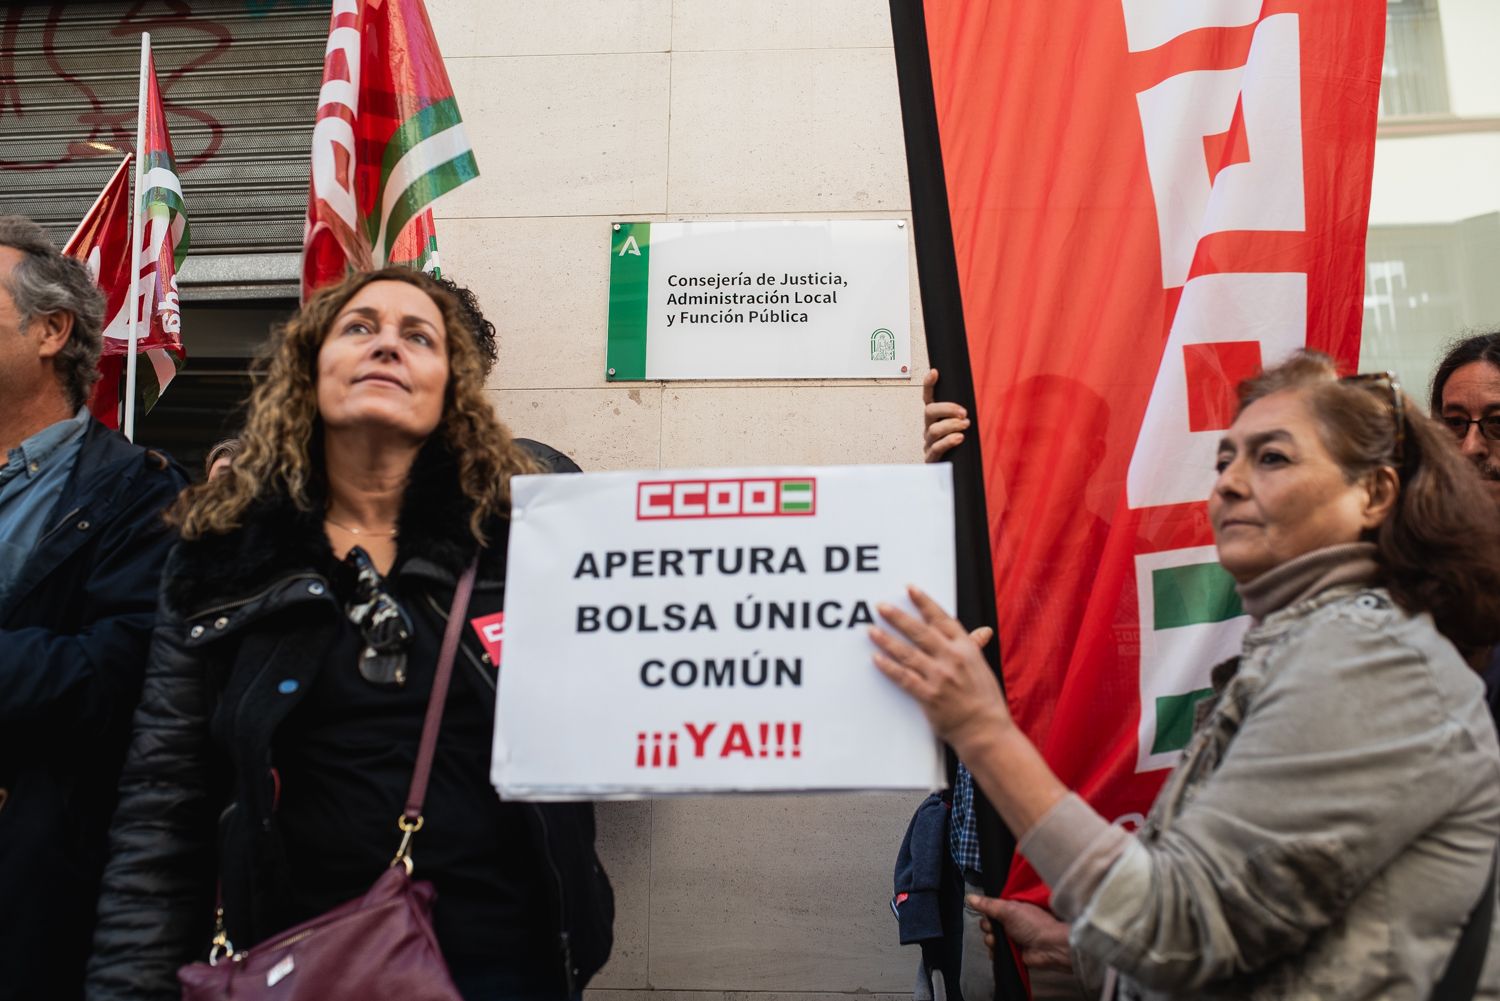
407,828
222,947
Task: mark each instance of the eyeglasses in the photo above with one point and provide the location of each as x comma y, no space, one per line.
1489,426
1398,408
383,624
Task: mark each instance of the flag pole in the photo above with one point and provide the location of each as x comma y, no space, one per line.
137,227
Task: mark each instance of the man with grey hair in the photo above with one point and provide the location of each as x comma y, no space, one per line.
82,543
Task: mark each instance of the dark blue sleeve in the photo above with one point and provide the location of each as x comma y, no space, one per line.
90,675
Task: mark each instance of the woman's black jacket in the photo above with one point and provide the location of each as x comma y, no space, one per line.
244,618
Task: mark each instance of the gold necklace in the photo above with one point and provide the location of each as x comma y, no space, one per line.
356,531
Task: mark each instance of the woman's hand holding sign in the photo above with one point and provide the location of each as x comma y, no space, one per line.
937,662
941,666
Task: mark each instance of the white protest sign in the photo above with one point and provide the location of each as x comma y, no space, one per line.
705,630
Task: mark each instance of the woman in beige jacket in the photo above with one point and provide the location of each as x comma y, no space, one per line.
1332,824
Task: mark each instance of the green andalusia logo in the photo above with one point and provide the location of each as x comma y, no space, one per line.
796,497
882,345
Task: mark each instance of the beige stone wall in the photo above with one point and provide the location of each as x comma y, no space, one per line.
584,112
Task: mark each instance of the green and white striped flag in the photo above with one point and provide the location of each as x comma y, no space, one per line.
389,141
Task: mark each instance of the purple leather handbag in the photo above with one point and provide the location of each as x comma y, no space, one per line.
378,947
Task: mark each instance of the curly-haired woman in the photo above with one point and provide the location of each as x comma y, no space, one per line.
300,621
1331,828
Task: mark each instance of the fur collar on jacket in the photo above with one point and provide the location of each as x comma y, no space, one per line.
276,539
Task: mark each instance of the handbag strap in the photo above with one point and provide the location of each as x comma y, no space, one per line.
411,817
1461,976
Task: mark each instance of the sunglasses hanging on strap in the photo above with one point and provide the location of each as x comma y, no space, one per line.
383,623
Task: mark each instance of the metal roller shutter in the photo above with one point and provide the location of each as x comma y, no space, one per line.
239,79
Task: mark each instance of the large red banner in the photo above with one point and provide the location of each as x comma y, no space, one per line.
1148,200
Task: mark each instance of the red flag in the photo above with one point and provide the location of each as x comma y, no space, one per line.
166,232
388,140
102,241
1147,201
167,238
417,246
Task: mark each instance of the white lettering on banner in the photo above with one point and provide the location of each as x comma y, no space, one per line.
1174,464
170,309
491,632
1153,23
1254,182
115,326
145,298
338,105
157,238
689,638
1264,193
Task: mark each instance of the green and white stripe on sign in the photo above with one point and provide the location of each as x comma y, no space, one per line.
796,497
1196,593
1190,620
629,287
1174,720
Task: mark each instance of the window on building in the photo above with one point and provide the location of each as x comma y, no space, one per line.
1414,75
1434,240
1426,285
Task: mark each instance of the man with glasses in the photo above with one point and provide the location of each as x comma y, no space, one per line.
1466,398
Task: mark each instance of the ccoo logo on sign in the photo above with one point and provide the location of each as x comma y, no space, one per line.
731,498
